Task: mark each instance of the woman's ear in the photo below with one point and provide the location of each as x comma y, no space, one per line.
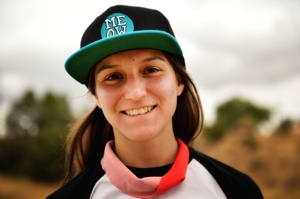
97,101
180,88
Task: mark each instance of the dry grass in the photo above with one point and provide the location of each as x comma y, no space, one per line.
273,162
21,188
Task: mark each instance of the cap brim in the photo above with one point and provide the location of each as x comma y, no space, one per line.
80,63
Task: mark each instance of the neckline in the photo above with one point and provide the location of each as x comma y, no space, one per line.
148,172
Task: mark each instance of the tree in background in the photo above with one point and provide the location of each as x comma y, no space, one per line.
23,116
236,113
285,127
36,130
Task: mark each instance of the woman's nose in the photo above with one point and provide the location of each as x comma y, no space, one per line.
135,89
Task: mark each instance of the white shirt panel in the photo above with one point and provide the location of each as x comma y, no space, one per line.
198,184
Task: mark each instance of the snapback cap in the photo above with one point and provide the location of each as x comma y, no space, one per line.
121,28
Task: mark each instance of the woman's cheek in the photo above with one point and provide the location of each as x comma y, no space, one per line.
106,97
165,87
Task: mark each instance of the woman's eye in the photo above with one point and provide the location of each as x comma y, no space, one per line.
113,77
151,70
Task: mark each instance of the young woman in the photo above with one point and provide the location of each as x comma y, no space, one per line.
134,143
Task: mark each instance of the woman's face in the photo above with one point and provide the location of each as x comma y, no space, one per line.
137,91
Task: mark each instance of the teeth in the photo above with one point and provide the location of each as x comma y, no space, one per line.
139,111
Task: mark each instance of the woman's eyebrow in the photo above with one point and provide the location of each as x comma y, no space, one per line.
153,58
104,67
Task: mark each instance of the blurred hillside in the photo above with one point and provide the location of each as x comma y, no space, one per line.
273,162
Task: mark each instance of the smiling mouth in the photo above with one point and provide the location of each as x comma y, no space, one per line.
139,111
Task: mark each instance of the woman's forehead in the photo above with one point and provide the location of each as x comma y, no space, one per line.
140,55
133,53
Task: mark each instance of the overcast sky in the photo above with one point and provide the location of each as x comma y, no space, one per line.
247,48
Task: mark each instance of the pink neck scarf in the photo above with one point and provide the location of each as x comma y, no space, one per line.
147,187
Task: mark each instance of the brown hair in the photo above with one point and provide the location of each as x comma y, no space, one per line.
88,137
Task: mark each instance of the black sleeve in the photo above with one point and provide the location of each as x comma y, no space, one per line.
235,184
81,186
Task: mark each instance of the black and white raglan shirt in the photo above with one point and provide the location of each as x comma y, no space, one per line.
193,175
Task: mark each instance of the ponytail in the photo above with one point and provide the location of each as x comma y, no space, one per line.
86,142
